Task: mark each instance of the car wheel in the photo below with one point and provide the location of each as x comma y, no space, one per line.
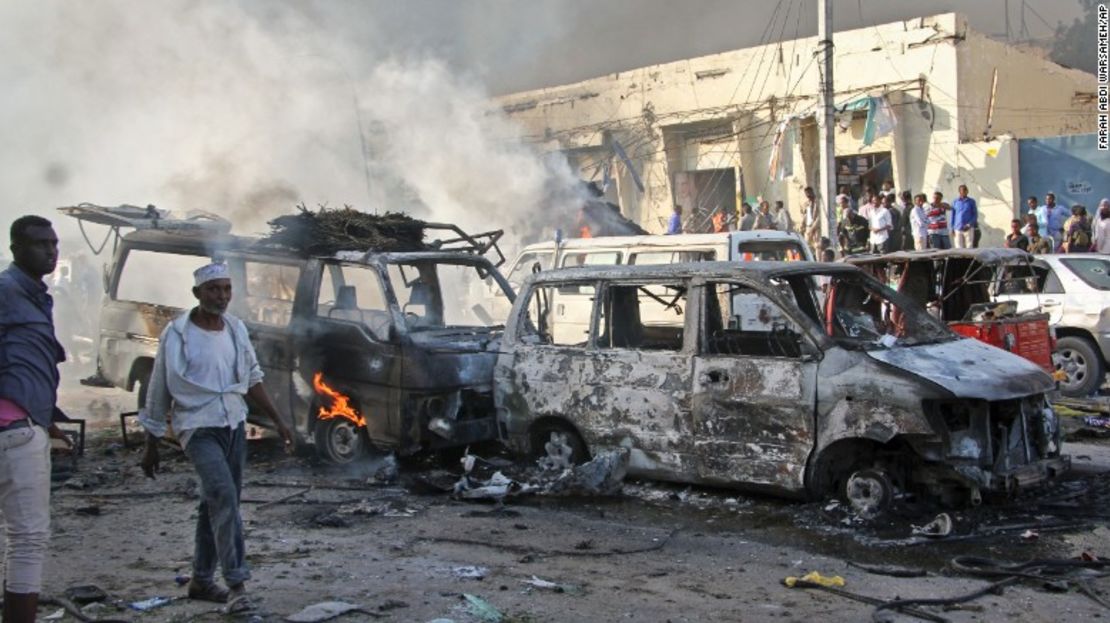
556,447
1078,359
339,441
869,492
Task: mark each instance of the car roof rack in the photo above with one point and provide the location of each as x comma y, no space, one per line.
139,218
478,244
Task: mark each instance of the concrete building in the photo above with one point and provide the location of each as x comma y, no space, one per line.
702,132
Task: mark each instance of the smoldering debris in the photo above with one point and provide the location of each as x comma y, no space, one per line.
328,231
601,476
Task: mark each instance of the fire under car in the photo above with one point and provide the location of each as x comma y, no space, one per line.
797,378
358,347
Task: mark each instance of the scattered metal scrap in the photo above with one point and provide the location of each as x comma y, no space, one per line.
602,475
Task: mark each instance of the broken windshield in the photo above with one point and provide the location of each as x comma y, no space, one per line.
433,294
859,312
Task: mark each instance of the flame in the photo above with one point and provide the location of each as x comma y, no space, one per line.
584,232
340,404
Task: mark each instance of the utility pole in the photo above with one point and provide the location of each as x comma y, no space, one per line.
826,125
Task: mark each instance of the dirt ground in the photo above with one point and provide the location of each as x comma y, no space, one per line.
405,551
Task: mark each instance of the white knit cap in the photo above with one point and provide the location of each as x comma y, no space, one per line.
212,271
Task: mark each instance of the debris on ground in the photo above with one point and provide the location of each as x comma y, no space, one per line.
328,231
482,610
603,475
326,610
814,577
149,604
547,585
470,572
940,526
893,571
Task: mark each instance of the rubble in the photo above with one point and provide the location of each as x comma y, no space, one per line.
603,476
326,610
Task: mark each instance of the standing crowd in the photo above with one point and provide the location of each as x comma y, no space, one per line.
884,221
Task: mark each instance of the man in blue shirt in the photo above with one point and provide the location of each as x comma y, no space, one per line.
674,225
1052,216
965,219
29,358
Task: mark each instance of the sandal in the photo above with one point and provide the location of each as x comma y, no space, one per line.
207,592
241,604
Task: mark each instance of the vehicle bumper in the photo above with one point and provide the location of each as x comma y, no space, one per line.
1018,477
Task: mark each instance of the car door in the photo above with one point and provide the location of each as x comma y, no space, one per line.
754,387
638,381
572,303
348,335
1034,287
264,292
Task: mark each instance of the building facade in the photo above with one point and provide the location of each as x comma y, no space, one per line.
946,104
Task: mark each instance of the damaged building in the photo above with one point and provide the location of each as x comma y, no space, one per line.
928,103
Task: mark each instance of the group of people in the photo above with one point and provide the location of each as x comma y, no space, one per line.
1054,228
204,370
884,221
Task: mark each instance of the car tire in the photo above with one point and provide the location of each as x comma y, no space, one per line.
1078,358
339,441
868,492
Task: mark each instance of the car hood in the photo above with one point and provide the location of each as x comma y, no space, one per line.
970,369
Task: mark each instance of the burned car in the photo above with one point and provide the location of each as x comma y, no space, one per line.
797,378
357,347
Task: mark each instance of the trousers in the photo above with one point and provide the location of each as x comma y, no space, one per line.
219,456
25,504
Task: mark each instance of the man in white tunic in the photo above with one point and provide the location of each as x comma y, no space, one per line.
204,368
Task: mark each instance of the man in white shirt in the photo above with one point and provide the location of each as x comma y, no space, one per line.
1101,234
881,225
919,223
204,368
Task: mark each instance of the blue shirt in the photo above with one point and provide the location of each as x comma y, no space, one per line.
1057,216
674,225
29,352
964,213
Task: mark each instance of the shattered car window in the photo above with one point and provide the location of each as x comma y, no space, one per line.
671,257
1094,271
526,265
159,278
741,320
541,326
643,316
353,293
429,293
270,289
593,258
859,313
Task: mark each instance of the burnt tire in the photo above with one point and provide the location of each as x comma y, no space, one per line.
869,492
339,441
552,441
1078,358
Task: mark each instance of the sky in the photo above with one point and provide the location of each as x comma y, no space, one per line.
246,108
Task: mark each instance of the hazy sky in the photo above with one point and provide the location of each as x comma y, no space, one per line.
527,44
244,107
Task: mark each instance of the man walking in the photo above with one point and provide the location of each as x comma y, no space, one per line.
29,358
204,367
811,218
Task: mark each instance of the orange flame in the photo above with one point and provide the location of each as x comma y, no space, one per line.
340,404
584,232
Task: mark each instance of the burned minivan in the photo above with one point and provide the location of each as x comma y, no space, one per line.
358,347
803,379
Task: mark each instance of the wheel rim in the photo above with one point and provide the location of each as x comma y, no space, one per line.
1074,365
343,441
867,493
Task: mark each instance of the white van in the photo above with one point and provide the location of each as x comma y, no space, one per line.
572,309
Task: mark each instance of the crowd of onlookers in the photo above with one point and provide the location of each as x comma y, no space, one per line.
883,221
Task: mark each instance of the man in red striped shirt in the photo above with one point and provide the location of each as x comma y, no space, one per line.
936,218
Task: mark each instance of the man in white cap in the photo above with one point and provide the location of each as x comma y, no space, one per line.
204,369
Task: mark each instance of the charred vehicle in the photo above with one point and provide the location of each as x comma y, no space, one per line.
357,347
798,378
